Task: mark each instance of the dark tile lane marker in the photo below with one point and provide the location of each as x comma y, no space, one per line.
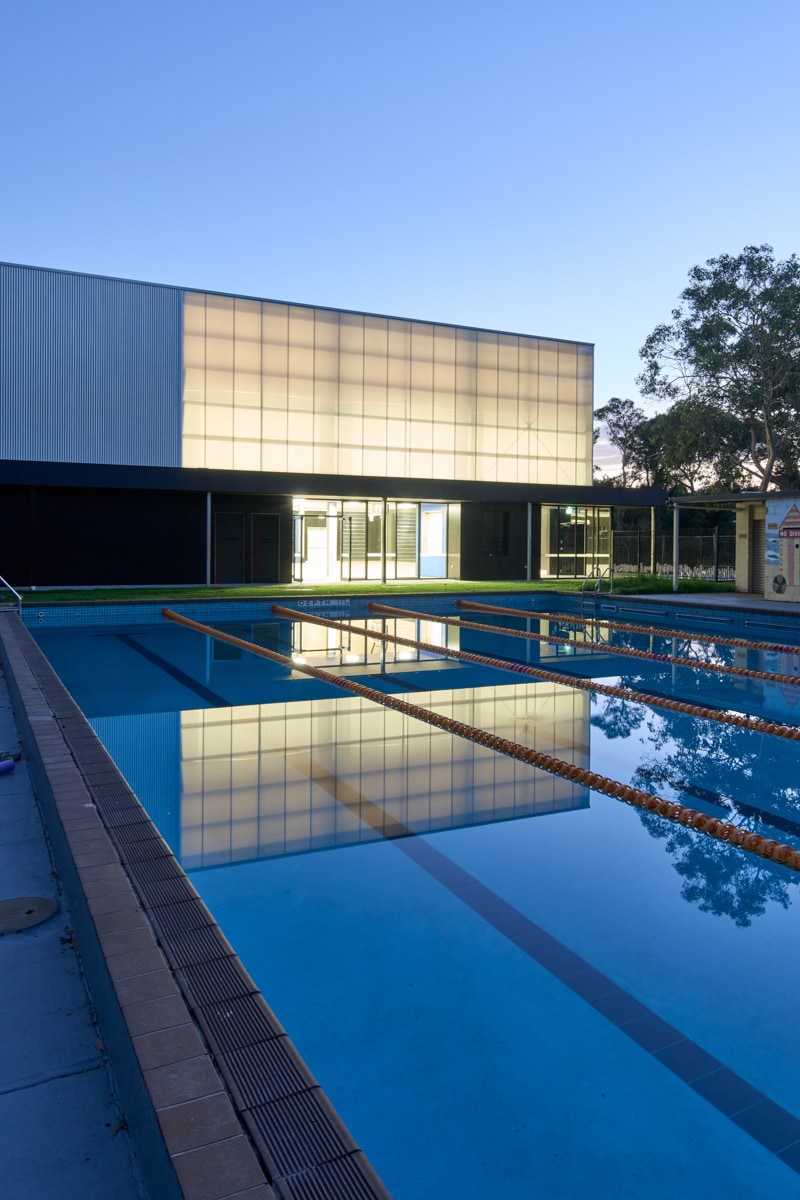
180,676
770,1124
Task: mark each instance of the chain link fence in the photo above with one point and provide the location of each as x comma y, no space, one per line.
704,555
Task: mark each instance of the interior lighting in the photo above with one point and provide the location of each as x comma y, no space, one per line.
351,658
298,658
405,655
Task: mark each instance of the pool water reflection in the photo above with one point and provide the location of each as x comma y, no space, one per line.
462,1066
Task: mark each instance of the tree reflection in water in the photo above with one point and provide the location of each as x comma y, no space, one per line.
712,767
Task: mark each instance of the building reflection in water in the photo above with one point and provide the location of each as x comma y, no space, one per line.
266,780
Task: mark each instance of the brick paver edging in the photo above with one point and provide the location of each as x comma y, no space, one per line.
218,1100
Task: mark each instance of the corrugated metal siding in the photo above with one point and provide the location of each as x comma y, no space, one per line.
90,369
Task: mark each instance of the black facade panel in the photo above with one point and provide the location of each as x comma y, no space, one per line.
494,541
265,533
252,539
15,522
86,536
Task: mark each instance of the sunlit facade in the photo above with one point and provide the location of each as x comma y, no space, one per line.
279,387
196,437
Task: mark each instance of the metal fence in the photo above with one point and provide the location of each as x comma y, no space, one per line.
704,555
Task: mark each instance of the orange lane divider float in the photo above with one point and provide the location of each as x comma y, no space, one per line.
603,647
756,724
565,619
722,831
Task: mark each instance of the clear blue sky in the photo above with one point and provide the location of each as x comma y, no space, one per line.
547,168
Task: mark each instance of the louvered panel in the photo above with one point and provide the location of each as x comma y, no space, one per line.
90,369
406,534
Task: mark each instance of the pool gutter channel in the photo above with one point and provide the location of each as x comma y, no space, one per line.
218,1101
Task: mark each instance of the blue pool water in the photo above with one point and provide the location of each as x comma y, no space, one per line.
464,1065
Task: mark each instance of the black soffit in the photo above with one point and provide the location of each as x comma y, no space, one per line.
366,487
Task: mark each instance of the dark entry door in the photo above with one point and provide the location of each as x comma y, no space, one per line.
265,551
228,547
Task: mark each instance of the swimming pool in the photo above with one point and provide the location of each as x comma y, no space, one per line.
543,991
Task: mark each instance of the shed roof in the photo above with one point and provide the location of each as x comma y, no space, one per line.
731,499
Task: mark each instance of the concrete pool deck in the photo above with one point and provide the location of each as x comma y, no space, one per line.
219,1103
742,601
61,1129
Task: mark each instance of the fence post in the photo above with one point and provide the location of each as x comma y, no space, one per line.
716,554
676,525
639,551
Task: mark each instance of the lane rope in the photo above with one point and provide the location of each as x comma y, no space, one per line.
565,619
603,647
722,831
756,724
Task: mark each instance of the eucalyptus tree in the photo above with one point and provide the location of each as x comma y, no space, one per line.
621,420
733,344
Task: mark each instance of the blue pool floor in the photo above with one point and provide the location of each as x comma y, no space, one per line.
451,1052
464,1066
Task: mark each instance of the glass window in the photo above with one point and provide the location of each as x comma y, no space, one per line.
574,540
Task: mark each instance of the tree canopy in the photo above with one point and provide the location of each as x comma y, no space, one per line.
728,366
733,344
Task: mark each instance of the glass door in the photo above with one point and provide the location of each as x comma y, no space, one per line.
316,541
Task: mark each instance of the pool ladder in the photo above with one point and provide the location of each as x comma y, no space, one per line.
596,576
14,592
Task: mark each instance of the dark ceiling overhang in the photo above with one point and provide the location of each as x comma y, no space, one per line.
192,479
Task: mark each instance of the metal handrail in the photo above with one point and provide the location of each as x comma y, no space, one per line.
606,571
14,592
598,575
588,579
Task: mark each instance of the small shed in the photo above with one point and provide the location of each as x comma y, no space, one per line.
767,540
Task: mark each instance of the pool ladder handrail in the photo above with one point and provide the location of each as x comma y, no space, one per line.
597,574
14,592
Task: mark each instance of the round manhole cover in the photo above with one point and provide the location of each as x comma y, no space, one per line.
24,911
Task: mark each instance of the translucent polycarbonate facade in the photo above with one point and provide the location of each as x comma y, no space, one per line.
273,779
277,387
